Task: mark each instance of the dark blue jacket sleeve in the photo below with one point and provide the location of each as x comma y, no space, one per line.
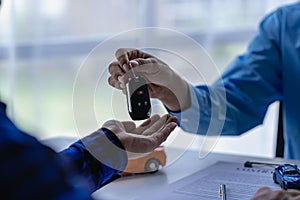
30,170
99,157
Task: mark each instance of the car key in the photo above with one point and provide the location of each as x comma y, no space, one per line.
138,100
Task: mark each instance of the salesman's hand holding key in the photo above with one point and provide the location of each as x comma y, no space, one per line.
163,83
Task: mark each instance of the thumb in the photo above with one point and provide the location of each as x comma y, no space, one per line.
146,66
142,61
140,65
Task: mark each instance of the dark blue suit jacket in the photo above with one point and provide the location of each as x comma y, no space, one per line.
30,170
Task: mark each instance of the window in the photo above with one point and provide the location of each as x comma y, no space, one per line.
43,43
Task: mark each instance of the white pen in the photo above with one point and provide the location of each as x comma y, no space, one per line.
222,191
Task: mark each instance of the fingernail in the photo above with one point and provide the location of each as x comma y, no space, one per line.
176,119
126,67
165,117
121,79
134,63
122,86
172,125
146,123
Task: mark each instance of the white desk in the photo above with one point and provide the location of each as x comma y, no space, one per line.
131,187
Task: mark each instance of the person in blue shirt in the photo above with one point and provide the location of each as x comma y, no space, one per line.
267,72
33,171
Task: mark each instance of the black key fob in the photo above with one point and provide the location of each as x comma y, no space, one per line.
138,100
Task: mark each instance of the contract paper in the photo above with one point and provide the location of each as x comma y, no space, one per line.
241,183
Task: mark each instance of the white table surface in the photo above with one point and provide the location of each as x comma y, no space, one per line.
183,163
136,186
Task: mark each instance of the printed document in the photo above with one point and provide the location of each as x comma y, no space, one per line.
241,183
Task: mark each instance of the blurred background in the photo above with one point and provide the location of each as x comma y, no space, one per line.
44,42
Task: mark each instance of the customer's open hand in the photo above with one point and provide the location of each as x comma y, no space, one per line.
163,82
144,138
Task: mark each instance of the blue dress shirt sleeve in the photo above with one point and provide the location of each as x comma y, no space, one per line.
250,84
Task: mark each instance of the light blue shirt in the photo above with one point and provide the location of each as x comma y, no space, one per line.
268,71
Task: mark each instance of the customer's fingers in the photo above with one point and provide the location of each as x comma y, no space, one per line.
156,126
129,126
159,124
145,125
160,136
146,144
172,119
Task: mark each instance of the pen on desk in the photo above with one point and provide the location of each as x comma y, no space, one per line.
251,163
223,191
